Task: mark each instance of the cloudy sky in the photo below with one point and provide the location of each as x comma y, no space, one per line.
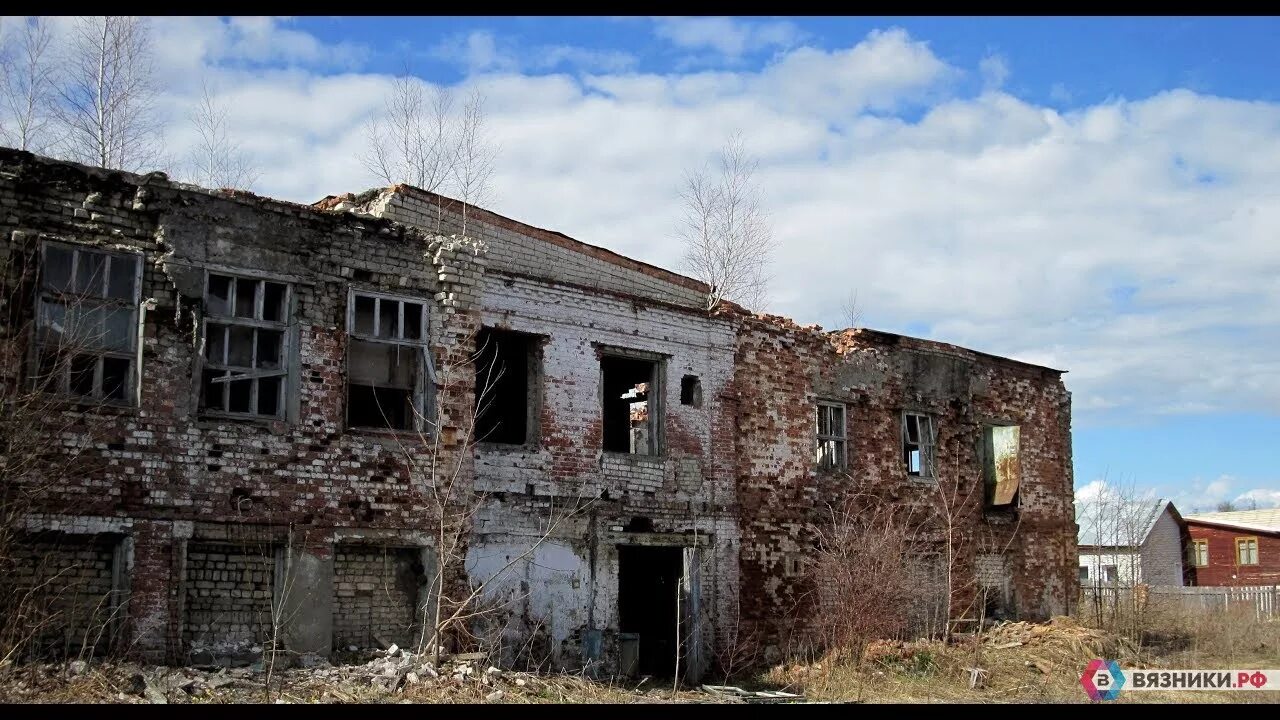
1096,195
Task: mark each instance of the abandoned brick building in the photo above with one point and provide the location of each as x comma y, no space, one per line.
233,419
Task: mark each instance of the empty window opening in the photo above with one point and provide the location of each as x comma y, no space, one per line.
245,346
86,326
390,382
632,405
1247,551
1109,573
1198,553
648,582
506,382
831,453
691,391
639,524
1084,573
917,444
1001,469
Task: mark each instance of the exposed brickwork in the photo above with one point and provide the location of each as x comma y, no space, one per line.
228,595
63,587
375,596
783,370
733,482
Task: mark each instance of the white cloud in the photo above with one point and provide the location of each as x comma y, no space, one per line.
729,37
994,69
481,51
1262,497
1130,242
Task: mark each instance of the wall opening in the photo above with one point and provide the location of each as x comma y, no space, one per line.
375,596
62,588
648,583
506,387
228,602
691,391
1001,470
631,404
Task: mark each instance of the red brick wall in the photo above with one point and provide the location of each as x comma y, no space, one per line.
783,370
1222,568
162,463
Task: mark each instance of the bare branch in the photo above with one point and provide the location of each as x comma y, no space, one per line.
107,110
28,88
217,161
726,231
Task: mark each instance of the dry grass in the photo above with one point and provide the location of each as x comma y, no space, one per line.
1025,662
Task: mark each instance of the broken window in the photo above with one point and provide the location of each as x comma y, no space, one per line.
691,391
390,378
246,346
1247,551
87,322
506,387
1001,470
1198,553
917,444
831,436
632,404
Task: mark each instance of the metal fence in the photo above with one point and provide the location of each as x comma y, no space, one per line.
1264,599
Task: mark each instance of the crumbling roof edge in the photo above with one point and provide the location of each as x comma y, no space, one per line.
891,338
551,236
162,180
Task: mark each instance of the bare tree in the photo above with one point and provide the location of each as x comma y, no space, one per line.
422,138
107,107
726,231
851,310
217,160
28,87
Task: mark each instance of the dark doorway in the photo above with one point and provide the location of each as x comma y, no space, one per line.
648,581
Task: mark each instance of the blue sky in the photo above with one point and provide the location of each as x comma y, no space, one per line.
1098,195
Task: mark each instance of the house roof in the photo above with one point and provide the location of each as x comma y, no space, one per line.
1267,521
1121,523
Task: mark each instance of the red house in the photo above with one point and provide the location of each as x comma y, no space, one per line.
1234,548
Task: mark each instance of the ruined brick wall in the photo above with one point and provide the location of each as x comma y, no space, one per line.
375,596
685,492
228,597
520,249
60,588
163,463
782,372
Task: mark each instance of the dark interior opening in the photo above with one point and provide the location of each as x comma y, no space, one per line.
503,386
691,391
648,580
627,411
379,407
639,524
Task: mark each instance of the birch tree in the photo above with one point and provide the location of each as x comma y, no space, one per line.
28,87
726,231
423,138
217,160
107,100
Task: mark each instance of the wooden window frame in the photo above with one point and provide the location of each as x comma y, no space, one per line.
1257,550
257,322
424,396
840,438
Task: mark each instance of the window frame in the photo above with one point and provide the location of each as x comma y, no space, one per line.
1244,541
1112,570
841,439
426,386
927,459
1199,548
1083,574
656,397
45,295
284,326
